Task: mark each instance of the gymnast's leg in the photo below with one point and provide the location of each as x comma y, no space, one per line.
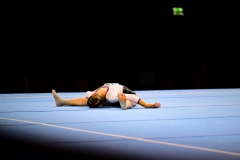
135,99
69,102
125,103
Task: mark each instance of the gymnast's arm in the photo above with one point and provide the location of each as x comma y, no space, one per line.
135,99
149,105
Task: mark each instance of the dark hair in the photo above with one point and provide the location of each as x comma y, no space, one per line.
95,101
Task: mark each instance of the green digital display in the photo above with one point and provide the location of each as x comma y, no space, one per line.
178,11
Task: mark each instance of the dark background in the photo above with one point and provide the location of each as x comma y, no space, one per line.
160,77
78,47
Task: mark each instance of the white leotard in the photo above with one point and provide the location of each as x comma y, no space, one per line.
112,93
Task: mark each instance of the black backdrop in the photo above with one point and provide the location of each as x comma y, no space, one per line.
78,47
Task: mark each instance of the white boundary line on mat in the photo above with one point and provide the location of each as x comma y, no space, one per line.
126,137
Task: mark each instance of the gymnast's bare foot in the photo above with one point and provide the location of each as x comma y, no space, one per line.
122,101
59,101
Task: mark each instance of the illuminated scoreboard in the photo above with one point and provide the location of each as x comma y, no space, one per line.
178,11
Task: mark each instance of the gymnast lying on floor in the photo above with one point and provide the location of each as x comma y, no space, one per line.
110,94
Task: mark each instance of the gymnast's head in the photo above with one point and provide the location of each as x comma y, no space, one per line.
95,101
